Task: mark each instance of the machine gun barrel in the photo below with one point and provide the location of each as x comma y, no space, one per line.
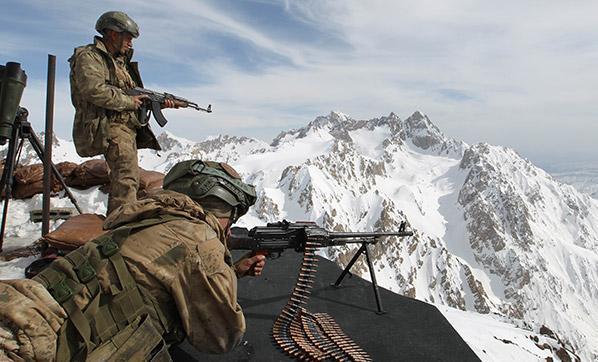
367,235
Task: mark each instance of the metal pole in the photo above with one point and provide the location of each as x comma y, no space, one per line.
48,144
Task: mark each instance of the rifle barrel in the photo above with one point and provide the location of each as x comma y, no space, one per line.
349,235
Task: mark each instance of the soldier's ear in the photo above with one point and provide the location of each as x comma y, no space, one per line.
110,35
225,222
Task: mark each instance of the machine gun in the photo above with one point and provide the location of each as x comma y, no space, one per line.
306,236
154,103
276,237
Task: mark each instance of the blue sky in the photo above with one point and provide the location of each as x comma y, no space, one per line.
517,73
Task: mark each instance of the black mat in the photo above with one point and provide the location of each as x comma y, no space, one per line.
410,330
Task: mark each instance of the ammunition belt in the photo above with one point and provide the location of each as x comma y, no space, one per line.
312,336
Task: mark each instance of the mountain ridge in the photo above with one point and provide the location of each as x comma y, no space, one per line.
494,234
491,186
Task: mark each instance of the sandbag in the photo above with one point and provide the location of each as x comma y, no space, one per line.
75,232
66,168
27,175
89,173
29,181
148,181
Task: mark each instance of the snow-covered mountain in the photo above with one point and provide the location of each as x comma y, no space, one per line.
494,233
495,236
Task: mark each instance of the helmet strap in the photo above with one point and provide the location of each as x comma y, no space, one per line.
233,216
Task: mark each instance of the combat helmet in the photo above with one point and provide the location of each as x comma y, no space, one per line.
208,179
117,21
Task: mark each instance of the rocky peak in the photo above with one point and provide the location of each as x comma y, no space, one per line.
167,143
339,125
499,158
224,140
333,120
425,135
230,148
55,140
332,123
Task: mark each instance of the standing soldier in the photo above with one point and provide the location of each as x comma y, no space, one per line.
106,121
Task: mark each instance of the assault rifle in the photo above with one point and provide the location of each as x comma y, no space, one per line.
276,237
155,100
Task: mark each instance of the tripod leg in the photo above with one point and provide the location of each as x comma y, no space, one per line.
349,266
4,213
7,176
37,146
374,282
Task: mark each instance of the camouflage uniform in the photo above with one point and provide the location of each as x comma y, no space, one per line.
184,263
105,118
29,321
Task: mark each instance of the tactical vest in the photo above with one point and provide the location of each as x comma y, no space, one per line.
114,325
90,134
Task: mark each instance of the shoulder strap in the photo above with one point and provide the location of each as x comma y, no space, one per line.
134,72
111,67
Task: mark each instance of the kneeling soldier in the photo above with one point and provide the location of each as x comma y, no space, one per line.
161,273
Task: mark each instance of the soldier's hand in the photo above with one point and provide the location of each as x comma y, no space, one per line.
250,265
170,103
138,100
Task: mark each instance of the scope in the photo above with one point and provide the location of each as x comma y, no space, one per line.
12,83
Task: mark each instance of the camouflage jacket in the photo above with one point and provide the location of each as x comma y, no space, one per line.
183,262
98,82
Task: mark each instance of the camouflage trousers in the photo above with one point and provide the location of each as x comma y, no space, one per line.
29,321
121,157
